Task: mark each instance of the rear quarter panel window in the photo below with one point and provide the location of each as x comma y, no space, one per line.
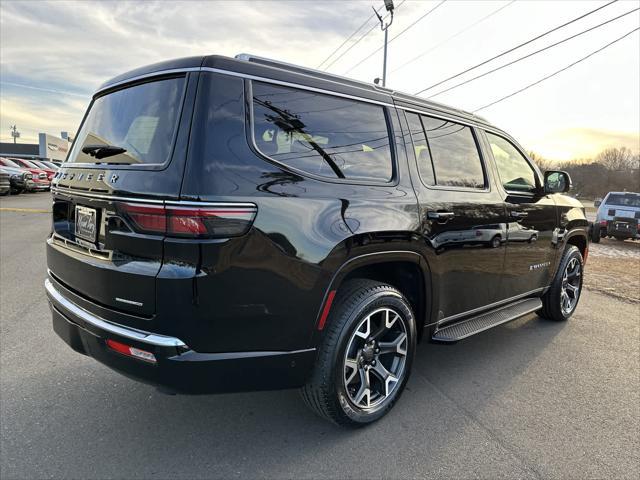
421,149
321,134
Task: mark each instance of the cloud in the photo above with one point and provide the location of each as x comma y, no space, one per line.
54,53
572,143
73,47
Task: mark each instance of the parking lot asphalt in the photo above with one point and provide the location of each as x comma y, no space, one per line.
530,399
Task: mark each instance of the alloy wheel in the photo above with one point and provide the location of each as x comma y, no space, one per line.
375,359
571,283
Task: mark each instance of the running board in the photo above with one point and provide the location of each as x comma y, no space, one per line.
485,321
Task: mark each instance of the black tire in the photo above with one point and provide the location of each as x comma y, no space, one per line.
595,233
551,301
496,241
326,393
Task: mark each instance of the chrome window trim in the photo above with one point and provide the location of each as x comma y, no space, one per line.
58,300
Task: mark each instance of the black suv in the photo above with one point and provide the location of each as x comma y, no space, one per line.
239,224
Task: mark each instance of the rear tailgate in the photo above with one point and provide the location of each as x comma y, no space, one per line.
117,268
95,250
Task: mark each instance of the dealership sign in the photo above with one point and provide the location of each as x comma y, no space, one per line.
55,148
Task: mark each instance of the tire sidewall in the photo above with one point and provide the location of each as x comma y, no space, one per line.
571,253
389,298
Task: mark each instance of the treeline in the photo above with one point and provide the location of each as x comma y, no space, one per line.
613,169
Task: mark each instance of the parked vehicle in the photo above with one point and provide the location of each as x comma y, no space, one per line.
24,180
240,224
50,165
19,179
618,216
47,169
39,177
5,183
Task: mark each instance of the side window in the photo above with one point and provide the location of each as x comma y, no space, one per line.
320,134
514,170
454,152
421,148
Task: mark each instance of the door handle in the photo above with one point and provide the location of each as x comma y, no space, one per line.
516,214
440,216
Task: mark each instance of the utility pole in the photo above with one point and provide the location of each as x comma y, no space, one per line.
14,133
388,4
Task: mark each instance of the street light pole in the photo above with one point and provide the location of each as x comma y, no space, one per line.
388,4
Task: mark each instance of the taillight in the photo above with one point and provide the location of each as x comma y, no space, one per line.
603,223
225,220
145,218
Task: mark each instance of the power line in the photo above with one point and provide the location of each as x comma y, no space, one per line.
359,39
350,37
533,53
453,36
556,72
515,48
402,32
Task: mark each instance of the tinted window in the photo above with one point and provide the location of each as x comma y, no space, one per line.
623,200
454,153
514,170
142,119
321,134
421,148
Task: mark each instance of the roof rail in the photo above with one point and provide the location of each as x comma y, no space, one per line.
248,57
269,62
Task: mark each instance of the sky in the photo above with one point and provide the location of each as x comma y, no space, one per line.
54,54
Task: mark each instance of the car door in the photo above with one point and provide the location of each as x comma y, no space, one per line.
463,219
532,228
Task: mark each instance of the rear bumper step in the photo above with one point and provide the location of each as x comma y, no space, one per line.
485,321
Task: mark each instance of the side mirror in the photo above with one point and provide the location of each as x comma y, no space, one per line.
597,203
556,181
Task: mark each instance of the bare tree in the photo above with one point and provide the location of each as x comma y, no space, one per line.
542,163
618,159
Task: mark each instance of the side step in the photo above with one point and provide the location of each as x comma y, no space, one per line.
485,321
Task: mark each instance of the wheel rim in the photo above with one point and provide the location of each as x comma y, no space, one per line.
375,359
570,291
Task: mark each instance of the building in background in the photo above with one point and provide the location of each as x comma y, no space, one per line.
49,147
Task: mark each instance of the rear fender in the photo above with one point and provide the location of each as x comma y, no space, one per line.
378,258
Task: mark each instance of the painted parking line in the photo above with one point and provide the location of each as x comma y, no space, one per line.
24,210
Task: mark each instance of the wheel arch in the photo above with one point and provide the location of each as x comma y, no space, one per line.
407,271
578,237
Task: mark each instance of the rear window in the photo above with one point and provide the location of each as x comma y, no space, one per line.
141,119
321,134
622,200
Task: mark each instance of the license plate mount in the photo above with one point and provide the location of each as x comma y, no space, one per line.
86,223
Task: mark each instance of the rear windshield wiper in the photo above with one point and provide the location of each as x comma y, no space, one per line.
102,151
